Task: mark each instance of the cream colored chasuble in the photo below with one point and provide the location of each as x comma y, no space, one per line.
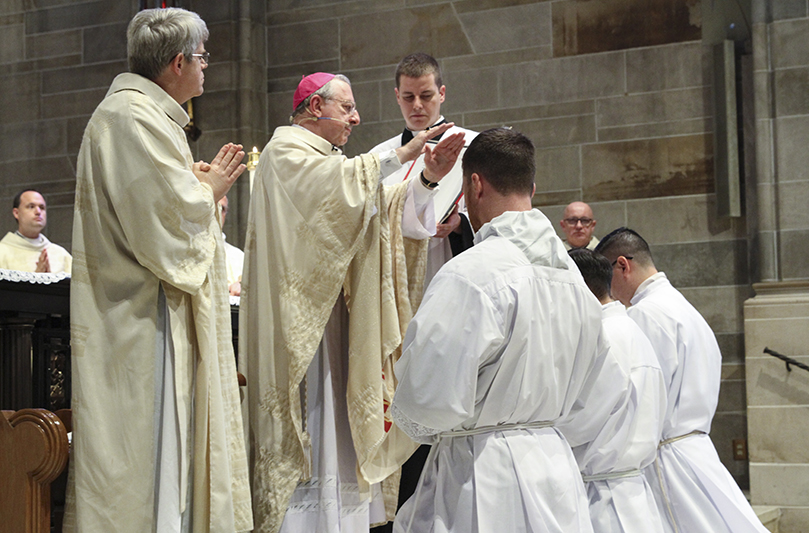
19,253
149,283
319,225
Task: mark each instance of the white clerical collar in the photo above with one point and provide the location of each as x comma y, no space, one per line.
36,242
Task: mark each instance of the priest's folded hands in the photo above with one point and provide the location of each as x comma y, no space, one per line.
221,173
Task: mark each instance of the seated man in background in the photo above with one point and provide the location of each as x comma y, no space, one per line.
578,224
27,249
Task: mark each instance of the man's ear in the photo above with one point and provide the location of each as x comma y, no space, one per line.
316,104
477,185
176,64
624,264
16,213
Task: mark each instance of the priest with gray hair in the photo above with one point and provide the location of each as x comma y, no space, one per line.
158,443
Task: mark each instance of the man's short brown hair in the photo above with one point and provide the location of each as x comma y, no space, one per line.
504,158
418,65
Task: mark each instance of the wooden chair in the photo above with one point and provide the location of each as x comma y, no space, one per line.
33,452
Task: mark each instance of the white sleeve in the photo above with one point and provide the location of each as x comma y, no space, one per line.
389,163
442,352
418,217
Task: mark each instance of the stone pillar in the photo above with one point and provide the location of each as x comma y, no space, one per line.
778,316
778,400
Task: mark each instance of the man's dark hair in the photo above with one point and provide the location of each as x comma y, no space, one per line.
19,196
418,65
504,158
595,269
628,243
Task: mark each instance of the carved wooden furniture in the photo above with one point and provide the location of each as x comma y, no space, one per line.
34,452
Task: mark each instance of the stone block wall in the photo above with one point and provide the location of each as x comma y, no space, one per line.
778,316
778,400
58,58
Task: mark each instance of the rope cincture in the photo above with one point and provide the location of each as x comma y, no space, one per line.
465,433
660,472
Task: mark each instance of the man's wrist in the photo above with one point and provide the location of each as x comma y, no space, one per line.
427,183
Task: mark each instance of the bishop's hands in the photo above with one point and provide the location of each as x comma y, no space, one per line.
441,159
221,173
438,160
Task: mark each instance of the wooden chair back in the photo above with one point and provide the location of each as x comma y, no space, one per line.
33,452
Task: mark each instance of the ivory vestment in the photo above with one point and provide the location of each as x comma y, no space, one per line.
627,441
699,491
507,333
590,245
234,259
319,231
19,253
149,293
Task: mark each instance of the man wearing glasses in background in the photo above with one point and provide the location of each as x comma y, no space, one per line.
578,224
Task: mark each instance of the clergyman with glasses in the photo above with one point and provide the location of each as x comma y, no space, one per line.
334,264
578,224
158,443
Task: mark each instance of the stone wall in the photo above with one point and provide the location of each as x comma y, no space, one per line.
778,316
58,58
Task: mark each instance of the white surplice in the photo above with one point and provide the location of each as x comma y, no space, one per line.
695,492
439,251
234,259
508,334
620,497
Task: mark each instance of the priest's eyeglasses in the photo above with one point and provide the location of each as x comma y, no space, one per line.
203,57
585,221
628,257
348,106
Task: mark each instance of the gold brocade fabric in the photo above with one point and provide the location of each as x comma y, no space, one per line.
319,225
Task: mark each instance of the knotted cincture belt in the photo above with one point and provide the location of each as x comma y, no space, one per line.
611,475
466,433
491,429
660,472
